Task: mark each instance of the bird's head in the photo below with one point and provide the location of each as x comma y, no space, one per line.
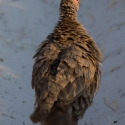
76,4
69,6
72,4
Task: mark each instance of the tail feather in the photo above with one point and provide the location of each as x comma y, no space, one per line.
35,116
58,117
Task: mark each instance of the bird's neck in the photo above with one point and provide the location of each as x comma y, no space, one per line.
68,13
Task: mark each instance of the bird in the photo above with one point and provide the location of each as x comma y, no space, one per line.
66,73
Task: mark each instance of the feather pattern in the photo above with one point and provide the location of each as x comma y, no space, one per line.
66,72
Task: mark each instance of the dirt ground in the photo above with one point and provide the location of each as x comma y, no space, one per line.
25,23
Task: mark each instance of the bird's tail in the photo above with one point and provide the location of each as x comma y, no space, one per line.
56,117
35,116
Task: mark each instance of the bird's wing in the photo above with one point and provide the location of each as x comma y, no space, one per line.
61,75
41,78
75,72
81,69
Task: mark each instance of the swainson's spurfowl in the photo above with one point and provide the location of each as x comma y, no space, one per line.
66,73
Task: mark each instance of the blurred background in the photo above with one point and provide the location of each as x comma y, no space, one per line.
25,23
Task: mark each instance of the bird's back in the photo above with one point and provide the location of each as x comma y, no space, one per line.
66,73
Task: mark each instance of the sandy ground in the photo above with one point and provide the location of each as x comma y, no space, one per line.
25,23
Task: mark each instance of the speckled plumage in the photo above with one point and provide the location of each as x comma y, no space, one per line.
66,72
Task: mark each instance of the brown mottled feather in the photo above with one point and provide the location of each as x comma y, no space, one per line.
66,72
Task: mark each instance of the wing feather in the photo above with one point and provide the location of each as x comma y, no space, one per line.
63,75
